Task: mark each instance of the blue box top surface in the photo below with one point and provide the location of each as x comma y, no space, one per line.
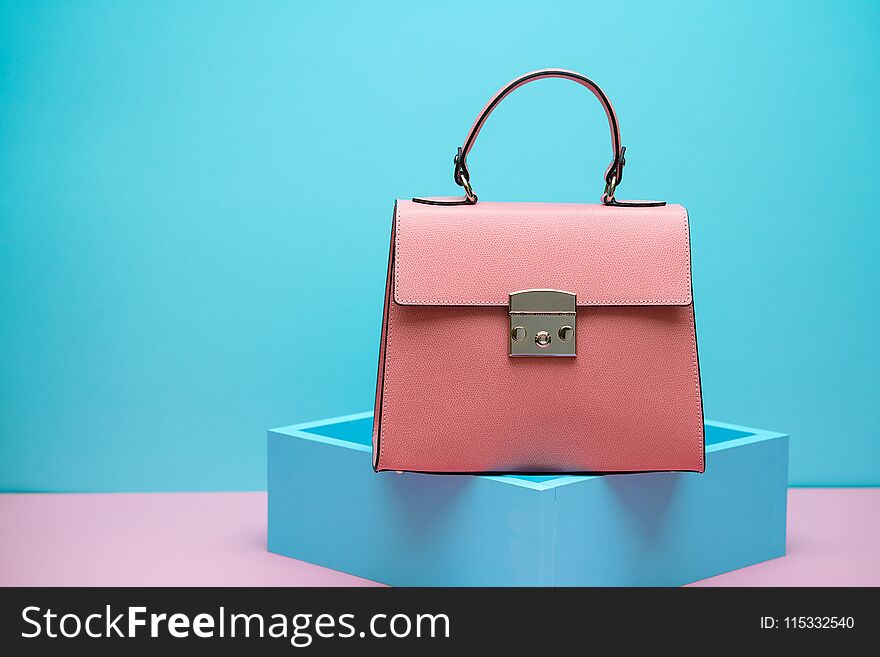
355,432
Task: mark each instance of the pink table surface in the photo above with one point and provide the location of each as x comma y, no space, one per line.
219,539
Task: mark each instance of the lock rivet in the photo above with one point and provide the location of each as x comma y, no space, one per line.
518,333
566,333
542,339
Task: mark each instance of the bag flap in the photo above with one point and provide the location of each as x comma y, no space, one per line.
475,255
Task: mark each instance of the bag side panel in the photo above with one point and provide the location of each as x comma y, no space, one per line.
380,377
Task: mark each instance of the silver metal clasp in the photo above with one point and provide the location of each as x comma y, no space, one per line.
542,323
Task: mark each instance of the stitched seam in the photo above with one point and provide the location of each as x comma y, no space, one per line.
687,260
385,386
697,389
592,302
581,304
385,376
397,228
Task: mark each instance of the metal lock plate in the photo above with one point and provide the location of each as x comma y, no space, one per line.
542,323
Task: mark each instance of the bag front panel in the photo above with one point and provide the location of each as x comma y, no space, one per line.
451,399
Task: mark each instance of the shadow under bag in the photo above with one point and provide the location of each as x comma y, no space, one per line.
538,337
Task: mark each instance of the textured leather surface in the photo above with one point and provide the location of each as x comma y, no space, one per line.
478,254
450,399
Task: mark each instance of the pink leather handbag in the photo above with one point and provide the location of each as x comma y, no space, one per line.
538,337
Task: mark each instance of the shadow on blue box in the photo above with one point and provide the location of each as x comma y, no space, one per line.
328,507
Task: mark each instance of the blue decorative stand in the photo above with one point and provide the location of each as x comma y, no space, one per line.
327,506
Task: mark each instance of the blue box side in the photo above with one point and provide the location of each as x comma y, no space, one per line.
408,529
669,529
411,529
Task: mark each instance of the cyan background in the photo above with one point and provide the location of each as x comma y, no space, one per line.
195,201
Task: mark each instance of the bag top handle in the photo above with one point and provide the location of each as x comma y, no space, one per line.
613,174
